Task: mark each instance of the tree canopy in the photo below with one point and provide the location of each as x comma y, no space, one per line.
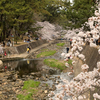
21,15
18,15
80,12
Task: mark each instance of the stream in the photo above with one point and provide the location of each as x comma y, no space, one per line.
26,67
15,72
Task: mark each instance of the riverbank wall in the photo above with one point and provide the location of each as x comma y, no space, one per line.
19,52
91,53
22,48
92,56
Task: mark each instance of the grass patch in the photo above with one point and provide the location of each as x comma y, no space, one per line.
27,97
55,63
46,84
30,83
45,49
30,89
69,62
46,53
60,44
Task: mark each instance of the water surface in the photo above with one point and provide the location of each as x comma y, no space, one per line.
24,67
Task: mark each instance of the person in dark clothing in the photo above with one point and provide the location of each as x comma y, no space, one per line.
28,49
70,42
83,39
36,38
68,57
3,44
28,40
9,41
67,49
96,42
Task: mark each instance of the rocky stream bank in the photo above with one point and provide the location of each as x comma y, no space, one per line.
11,84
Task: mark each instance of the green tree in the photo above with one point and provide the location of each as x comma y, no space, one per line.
15,15
19,15
53,7
79,12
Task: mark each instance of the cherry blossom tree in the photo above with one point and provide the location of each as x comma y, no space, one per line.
85,80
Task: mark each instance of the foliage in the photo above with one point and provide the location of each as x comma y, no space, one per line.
15,16
53,8
60,44
57,9
80,12
19,16
16,38
55,63
46,53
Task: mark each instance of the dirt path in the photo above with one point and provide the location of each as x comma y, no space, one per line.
25,54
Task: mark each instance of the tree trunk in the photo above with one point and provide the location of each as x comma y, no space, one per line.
4,27
1,37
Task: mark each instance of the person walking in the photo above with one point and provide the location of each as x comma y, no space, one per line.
5,54
28,49
3,44
70,42
67,49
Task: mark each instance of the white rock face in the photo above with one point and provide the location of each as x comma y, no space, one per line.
1,63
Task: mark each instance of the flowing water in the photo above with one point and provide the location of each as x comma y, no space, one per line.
28,66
